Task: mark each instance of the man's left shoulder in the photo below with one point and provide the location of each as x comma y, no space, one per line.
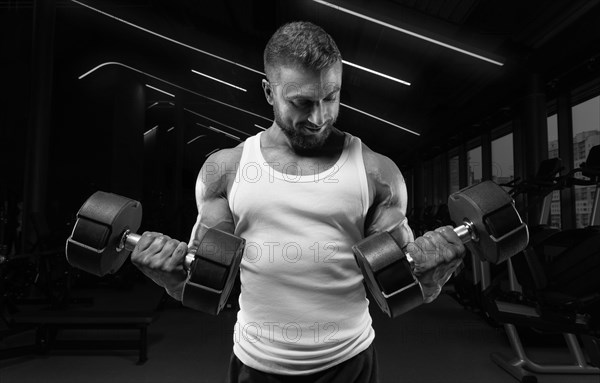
377,164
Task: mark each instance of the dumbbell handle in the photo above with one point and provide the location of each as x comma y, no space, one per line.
466,232
129,240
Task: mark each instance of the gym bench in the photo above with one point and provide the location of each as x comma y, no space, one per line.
524,369
50,323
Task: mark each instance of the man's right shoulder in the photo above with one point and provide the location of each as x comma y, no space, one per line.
219,169
226,157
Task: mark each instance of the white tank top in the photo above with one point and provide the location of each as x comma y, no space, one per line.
303,306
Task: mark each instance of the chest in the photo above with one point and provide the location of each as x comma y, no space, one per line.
294,165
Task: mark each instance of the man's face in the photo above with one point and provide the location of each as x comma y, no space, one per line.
306,104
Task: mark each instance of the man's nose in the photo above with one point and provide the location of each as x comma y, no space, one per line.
318,114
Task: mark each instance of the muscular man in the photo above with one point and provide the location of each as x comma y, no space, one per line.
301,194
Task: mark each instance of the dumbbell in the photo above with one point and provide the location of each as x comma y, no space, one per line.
488,224
104,235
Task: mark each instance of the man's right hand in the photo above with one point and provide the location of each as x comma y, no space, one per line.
161,258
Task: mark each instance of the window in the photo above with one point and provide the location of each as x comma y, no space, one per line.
474,166
586,134
552,122
503,169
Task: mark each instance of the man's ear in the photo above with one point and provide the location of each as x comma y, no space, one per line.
268,91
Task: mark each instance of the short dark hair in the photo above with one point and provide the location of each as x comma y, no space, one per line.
300,43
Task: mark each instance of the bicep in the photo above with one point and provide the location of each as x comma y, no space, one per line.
213,213
388,211
392,219
212,204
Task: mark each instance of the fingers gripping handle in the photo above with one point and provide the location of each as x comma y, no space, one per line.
466,232
129,240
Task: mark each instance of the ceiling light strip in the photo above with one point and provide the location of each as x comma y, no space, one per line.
380,119
195,138
159,103
215,121
171,128
212,54
406,31
219,131
160,90
260,127
167,38
171,84
376,73
149,130
221,81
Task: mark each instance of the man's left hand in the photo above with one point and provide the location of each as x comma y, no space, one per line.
436,255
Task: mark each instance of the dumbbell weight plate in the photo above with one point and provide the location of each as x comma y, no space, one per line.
213,271
387,274
500,232
101,221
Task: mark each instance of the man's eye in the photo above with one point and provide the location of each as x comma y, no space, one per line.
330,99
301,103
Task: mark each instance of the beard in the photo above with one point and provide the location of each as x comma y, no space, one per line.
303,143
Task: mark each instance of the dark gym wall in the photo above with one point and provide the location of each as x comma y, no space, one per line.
15,81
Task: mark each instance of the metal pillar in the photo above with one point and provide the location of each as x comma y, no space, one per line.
177,187
535,129
127,157
38,135
565,152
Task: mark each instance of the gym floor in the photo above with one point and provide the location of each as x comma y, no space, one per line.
438,342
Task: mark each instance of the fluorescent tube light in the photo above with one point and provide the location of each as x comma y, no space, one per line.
406,31
376,73
221,81
195,138
380,119
219,131
149,130
160,90
215,121
165,37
